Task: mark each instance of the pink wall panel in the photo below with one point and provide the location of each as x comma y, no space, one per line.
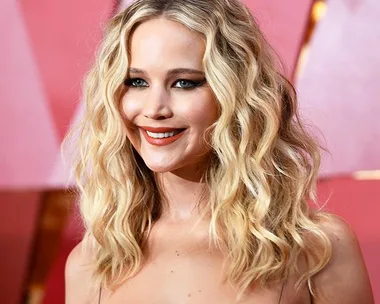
284,23
124,3
63,36
46,49
28,139
339,89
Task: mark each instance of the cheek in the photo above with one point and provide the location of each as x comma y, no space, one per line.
203,112
130,107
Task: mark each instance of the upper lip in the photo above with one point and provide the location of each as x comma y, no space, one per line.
160,129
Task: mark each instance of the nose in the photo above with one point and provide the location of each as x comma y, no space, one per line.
157,105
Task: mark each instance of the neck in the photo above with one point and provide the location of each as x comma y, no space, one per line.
184,198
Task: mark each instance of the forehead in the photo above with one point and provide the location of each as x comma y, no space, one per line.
163,43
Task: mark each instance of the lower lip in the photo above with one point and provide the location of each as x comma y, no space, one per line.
161,141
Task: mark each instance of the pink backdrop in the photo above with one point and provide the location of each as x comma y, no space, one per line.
47,47
339,88
284,23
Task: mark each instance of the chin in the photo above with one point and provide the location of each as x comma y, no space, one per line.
159,168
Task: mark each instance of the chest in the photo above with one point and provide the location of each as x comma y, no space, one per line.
179,276
184,269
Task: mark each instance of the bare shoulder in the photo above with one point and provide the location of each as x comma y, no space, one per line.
345,278
78,274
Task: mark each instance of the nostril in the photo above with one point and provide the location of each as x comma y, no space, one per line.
156,118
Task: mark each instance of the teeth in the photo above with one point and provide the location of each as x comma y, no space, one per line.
162,135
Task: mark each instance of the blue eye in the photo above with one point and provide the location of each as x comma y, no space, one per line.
188,84
179,84
135,82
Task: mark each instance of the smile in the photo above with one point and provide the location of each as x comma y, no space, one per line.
161,136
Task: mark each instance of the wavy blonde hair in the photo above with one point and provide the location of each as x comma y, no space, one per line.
265,162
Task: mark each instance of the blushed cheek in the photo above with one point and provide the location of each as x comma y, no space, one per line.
203,113
129,110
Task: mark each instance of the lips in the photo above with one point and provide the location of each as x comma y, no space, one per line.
162,135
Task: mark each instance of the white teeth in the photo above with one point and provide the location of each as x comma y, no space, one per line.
162,135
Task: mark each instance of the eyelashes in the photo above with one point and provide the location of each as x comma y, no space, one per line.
189,84
135,82
184,84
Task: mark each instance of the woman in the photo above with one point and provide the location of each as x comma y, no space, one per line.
195,171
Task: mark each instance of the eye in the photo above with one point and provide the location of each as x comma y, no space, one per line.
188,84
135,82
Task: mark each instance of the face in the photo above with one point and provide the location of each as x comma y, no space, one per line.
168,105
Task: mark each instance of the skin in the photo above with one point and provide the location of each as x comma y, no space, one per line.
157,97
178,268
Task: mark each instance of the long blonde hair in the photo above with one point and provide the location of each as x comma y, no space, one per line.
265,162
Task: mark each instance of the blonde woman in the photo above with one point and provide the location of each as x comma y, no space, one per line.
195,171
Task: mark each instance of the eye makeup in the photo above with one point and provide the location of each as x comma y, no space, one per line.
187,84
184,84
135,82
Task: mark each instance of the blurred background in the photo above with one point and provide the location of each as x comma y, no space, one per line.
329,50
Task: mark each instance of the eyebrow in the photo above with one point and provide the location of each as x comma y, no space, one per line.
170,72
